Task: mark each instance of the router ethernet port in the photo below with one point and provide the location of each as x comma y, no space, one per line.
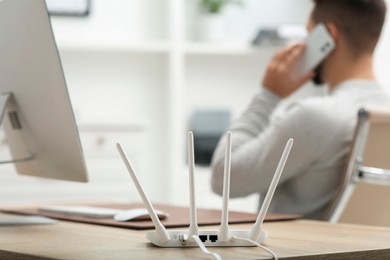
213,238
203,238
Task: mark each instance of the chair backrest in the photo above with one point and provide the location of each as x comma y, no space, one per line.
363,196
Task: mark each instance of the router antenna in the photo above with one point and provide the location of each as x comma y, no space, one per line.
224,228
256,228
160,229
193,229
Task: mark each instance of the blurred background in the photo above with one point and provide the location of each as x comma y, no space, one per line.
144,72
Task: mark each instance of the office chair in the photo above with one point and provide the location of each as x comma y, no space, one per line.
364,193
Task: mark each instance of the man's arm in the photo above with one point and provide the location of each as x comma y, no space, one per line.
255,155
257,144
253,122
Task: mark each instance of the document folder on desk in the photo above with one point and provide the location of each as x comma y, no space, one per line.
178,216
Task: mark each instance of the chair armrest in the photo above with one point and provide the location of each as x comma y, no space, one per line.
374,175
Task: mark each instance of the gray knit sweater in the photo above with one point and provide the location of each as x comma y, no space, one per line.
322,129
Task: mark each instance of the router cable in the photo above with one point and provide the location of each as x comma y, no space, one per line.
204,249
272,253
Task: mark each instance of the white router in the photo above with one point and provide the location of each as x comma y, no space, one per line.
210,238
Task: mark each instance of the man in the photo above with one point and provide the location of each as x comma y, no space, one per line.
322,127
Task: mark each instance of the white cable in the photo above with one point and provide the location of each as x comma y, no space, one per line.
204,249
272,253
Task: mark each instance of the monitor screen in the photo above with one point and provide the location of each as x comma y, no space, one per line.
35,109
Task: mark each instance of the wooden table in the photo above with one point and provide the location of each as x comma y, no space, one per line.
300,239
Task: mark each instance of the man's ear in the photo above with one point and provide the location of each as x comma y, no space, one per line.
334,31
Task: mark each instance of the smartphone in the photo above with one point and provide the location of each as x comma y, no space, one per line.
319,44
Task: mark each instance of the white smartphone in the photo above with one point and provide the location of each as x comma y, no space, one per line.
319,44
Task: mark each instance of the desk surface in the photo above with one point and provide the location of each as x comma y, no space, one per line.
300,239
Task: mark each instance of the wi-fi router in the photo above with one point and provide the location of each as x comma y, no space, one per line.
211,238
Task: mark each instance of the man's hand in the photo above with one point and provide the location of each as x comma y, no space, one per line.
280,77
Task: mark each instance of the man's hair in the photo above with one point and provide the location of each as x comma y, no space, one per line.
359,21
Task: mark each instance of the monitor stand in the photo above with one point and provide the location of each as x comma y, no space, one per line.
10,219
7,101
3,105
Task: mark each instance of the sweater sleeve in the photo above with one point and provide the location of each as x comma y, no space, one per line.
258,144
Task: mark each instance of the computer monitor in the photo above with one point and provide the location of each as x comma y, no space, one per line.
35,109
